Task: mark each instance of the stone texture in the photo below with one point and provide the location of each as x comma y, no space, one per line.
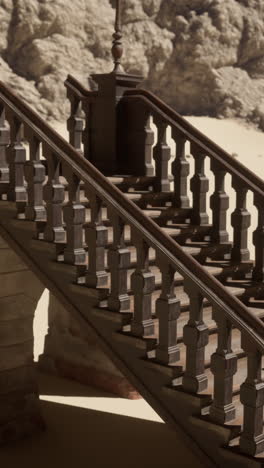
20,290
71,351
201,56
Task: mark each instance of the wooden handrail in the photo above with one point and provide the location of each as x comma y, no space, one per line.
211,288
232,166
78,89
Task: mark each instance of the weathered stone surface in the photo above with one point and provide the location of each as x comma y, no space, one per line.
201,56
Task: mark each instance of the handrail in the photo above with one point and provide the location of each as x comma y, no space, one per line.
210,287
78,89
232,165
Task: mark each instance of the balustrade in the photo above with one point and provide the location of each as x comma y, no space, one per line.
4,141
199,187
258,241
75,122
195,337
180,169
219,203
223,367
252,397
16,157
240,220
74,217
35,177
161,156
167,310
118,263
143,285
96,235
54,196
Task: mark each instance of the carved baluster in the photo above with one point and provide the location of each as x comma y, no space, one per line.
74,217
161,155
180,170
167,310
86,136
35,177
74,122
4,141
53,193
118,263
252,397
149,140
199,187
223,367
96,235
240,220
143,285
219,203
195,337
16,157
258,241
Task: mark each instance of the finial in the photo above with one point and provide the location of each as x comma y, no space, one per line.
117,49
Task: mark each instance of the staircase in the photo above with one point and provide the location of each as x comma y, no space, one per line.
177,306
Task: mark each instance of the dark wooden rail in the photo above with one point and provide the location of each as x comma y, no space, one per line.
64,224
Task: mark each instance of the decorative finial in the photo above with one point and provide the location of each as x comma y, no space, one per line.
117,49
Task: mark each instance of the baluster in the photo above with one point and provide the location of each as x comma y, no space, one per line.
195,337
161,155
86,136
4,141
96,235
180,170
219,203
252,397
16,157
199,187
53,193
223,367
143,285
118,263
258,241
74,217
35,177
74,122
240,220
167,310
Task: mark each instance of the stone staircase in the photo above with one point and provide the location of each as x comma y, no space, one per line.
175,305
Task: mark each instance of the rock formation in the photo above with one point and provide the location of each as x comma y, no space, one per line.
201,56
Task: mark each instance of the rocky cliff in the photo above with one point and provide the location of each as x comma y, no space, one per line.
201,56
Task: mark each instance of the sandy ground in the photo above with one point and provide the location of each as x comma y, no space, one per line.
82,420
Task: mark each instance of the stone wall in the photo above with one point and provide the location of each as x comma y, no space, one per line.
71,351
20,291
201,56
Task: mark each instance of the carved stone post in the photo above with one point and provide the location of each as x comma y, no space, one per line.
168,309
4,141
142,284
180,170
161,155
118,262
219,203
96,235
252,397
16,157
258,241
199,187
223,367
53,196
35,177
195,337
74,122
240,220
74,217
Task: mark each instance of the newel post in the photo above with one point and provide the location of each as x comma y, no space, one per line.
109,118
